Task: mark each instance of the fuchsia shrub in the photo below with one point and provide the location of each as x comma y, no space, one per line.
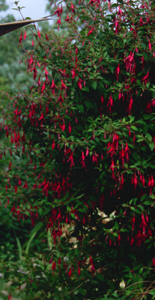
81,147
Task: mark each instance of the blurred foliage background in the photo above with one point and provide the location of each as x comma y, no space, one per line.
14,239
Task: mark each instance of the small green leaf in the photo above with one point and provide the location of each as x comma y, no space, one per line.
152,292
151,145
94,85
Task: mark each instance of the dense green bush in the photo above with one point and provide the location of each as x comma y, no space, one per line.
81,149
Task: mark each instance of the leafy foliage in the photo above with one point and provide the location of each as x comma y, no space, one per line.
81,148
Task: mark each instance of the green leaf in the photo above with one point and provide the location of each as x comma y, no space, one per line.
19,248
152,292
149,137
32,236
94,85
151,145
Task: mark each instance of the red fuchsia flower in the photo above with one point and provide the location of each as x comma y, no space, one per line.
59,21
80,83
25,35
119,238
63,86
18,213
60,99
109,5
41,117
110,242
119,11
129,63
110,104
39,34
10,297
117,72
73,73
127,152
25,185
95,158
147,218
151,183
142,61
21,38
30,61
70,272
39,82
134,181
153,262
62,126
112,168
47,109
148,108
102,99
69,128
43,87
138,238
92,268
58,11
91,264
16,112
130,105
149,233
53,145
82,159
71,160
133,222
53,267
143,220
122,155
46,72
63,72
72,7
34,73
53,87
92,2
16,188
110,149
10,165
32,42
115,140
90,31
68,18
79,270
142,179
143,225
12,139
132,241
141,21
87,151
83,156
116,24
150,47
153,102
47,38
145,78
